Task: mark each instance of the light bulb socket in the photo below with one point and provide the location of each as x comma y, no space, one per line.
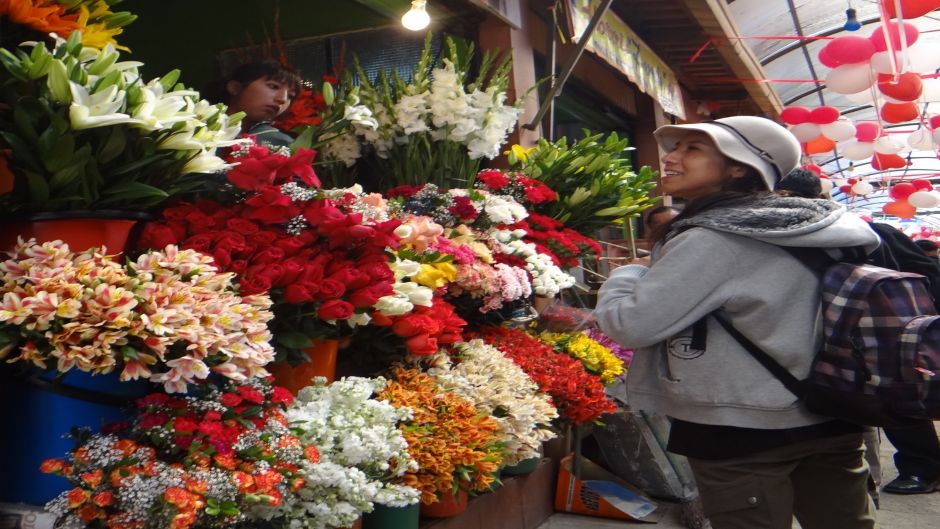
851,21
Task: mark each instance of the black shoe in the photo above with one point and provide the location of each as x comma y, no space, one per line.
910,485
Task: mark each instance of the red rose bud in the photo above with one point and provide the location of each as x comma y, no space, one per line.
251,285
335,310
156,236
330,289
242,226
422,344
297,294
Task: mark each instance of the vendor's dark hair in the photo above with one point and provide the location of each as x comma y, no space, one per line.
736,191
248,72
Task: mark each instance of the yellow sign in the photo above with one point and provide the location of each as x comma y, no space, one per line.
617,44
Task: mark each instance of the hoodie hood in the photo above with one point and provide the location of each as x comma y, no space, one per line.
788,221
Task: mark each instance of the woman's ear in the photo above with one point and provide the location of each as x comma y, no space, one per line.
736,171
233,88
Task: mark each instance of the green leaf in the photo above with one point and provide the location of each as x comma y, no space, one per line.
297,340
61,155
113,146
22,152
23,119
304,141
130,190
38,187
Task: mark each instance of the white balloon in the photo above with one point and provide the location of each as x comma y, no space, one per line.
924,199
887,145
863,97
881,61
936,136
931,89
862,188
826,185
839,130
805,131
923,58
850,78
920,140
856,150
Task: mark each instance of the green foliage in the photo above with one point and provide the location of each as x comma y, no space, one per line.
593,177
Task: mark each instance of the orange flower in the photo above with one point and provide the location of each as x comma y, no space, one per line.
126,446
41,15
243,480
52,466
103,499
226,461
312,454
77,496
89,513
93,479
183,520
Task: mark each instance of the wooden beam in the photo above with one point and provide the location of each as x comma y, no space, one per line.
715,18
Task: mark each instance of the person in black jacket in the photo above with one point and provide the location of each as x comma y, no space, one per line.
917,456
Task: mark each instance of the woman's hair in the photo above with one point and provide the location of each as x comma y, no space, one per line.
800,183
736,190
248,73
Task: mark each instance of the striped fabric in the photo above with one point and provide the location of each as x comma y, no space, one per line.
881,358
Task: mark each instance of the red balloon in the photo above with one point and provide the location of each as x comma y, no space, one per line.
901,191
850,49
826,59
900,209
824,115
911,8
934,122
883,162
814,168
819,145
795,115
899,112
879,40
907,88
847,189
922,185
867,131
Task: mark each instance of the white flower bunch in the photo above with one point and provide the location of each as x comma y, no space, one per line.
359,442
500,388
407,293
547,278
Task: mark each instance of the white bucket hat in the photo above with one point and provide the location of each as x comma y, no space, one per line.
758,142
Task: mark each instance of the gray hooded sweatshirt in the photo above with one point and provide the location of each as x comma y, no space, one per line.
728,258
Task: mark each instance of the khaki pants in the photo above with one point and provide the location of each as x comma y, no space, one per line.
821,482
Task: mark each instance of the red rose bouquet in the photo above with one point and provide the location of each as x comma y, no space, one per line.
322,262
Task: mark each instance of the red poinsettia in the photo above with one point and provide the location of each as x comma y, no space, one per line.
578,395
526,191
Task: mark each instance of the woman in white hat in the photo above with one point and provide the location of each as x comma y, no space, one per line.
758,456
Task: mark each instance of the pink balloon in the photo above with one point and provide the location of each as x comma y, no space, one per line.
867,131
824,115
795,115
878,37
934,122
850,49
912,8
826,59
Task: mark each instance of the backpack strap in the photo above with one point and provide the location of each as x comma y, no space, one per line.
785,377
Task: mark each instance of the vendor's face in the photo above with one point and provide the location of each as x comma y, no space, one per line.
695,167
261,100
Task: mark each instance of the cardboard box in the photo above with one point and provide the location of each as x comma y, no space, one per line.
596,492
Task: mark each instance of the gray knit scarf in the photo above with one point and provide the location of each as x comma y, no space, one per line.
766,215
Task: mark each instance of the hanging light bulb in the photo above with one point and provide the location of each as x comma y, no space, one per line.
851,20
417,17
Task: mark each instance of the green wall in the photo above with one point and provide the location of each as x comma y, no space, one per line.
187,34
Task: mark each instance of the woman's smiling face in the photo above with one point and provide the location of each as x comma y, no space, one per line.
695,167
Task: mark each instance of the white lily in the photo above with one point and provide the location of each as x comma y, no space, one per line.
160,112
181,141
96,110
205,163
